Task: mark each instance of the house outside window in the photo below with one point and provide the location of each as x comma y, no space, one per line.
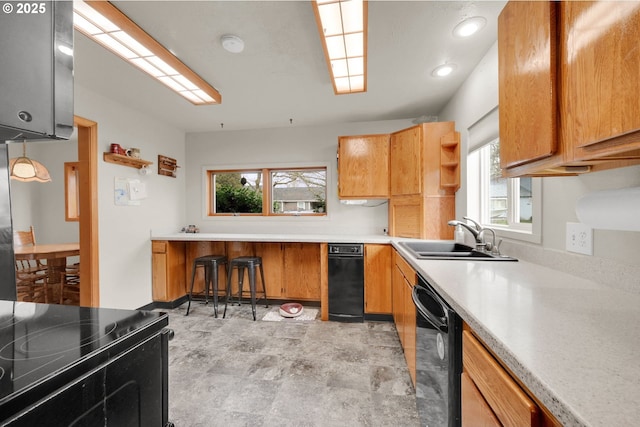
267,192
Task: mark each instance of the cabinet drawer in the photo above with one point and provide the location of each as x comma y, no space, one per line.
408,272
507,400
159,247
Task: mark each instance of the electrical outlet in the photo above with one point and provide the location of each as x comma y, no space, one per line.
579,238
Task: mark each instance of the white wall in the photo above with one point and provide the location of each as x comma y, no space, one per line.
290,146
615,252
124,231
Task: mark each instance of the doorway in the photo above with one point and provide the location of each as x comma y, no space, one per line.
88,208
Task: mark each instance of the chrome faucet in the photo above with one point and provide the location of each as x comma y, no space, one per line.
477,231
471,229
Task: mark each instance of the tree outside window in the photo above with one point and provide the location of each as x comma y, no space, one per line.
291,192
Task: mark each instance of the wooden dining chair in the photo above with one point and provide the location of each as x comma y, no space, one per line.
70,285
28,238
31,286
31,275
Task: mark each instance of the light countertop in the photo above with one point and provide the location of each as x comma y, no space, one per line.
573,342
273,237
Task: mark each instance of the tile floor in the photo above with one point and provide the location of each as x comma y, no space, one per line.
237,372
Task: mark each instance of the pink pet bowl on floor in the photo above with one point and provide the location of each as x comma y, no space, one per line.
291,309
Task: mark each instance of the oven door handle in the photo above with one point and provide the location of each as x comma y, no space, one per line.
437,321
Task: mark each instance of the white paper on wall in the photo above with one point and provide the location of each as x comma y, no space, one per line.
123,194
137,189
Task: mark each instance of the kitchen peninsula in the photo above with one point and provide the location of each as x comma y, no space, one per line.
295,265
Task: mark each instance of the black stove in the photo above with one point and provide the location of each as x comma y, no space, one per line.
90,359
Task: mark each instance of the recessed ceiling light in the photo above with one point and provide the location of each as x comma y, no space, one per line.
231,43
469,26
443,70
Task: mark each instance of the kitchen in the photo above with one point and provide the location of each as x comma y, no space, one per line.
125,273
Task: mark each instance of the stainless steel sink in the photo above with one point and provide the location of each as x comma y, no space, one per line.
446,249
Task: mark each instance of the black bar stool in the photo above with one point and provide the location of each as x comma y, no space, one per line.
251,263
210,263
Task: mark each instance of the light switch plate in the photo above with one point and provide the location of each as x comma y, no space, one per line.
579,238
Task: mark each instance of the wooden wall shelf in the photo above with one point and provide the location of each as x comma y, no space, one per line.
450,161
131,162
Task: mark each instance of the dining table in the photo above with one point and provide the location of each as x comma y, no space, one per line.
55,255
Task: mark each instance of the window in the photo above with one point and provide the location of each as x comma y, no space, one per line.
237,192
267,192
509,205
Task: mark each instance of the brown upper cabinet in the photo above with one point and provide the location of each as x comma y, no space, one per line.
568,88
363,167
424,178
406,162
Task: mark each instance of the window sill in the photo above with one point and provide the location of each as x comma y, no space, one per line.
522,235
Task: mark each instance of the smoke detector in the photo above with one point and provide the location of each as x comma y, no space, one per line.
231,43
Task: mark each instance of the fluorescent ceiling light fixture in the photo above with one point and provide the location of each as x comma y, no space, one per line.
26,169
342,25
443,70
105,24
469,26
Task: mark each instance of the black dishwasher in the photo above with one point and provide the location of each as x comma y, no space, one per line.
438,358
346,282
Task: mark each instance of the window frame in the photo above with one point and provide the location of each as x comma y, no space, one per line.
267,193
478,199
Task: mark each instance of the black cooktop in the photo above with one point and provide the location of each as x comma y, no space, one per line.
41,341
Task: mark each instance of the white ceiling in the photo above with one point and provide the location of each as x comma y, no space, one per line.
281,74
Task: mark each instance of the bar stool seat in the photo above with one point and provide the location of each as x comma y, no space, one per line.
250,263
210,264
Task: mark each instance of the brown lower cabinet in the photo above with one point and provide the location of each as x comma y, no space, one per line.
167,275
377,279
404,311
491,396
292,270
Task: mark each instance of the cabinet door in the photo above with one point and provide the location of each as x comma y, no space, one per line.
406,162
377,279
301,275
272,264
363,166
475,410
159,271
406,217
168,270
527,82
600,77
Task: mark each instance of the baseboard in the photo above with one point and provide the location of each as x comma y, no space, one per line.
379,317
166,305
170,305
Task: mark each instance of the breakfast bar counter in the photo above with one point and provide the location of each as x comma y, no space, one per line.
273,237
